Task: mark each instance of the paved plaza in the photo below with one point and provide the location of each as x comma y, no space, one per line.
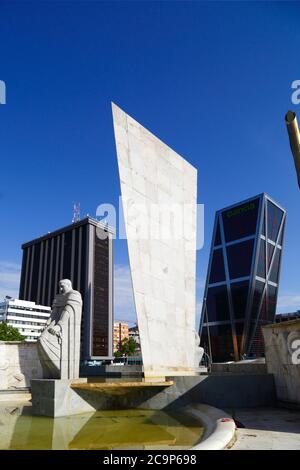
268,428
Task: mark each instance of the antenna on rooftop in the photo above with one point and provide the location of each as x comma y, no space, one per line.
76,212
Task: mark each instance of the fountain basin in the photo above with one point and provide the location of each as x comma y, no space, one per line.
196,427
119,388
102,430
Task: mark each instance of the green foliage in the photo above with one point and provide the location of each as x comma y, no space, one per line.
127,347
9,333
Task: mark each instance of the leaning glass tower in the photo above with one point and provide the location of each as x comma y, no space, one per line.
242,280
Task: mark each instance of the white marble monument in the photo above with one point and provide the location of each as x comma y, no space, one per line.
159,196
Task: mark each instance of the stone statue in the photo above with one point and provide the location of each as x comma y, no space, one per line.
199,351
59,343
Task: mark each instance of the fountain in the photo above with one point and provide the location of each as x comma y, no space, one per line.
154,180
162,409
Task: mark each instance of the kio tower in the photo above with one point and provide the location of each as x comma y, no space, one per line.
83,253
242,281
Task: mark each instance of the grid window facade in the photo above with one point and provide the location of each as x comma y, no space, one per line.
242,281
81,252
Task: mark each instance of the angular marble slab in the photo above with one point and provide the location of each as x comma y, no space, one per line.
161,245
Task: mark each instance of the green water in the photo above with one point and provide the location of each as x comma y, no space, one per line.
110,429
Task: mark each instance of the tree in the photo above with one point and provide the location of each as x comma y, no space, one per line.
127,347
9,333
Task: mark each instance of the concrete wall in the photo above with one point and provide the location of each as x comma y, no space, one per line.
282,349
221,391
19,363
256,366
227,391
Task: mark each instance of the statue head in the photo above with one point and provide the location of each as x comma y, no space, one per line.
65,286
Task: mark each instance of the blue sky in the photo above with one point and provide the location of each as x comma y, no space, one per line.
211,79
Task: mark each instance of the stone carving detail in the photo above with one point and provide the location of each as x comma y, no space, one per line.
59,343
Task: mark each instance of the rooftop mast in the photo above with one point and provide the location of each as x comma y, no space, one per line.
76,212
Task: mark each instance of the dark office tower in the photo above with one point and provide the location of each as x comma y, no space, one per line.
83,253
242,281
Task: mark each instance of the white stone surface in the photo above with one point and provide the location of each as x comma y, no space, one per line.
280,362
159,195
19,363
219,427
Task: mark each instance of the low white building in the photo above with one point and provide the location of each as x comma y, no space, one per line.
28,317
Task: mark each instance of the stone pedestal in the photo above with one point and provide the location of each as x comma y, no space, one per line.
55,398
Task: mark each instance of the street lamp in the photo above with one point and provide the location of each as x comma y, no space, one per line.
294,136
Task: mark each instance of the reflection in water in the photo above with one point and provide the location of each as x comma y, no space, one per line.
109,429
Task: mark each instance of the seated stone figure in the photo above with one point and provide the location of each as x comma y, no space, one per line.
59,343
